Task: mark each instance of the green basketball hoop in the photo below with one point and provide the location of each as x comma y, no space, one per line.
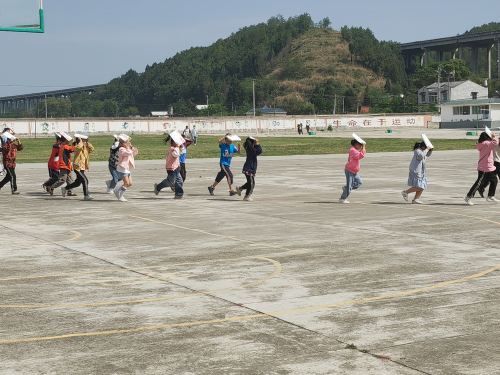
22,16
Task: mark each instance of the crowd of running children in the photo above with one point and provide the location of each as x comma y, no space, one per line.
122,153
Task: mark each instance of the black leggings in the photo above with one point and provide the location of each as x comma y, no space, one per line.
10,176
483,179
81,179
183,171
249,185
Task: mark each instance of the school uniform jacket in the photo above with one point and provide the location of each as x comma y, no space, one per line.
81,158
9,153
65,157
53,162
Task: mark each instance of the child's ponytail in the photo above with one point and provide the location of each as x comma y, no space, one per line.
166,139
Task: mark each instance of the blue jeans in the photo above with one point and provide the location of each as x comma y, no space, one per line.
115,178
353,181
173,179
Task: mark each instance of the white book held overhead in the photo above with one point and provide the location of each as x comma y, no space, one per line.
8,135
488,131
233,138
426,141
358,139
177,137
81,136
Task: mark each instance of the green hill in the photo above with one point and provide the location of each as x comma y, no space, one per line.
297,65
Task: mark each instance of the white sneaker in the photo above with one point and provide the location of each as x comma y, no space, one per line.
492,199
405,196
248,198
343,201
468,201
416,201
117,193
63,191
122,199
87,198
109,191
108,184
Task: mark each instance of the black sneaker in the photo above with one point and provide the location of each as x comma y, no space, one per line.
481,192
211,190
232,193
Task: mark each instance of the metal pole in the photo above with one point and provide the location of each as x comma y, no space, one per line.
335,104
45,106
253,84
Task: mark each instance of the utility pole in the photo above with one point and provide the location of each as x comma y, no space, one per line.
253,84
439,84
335,104
343,104
208,111
45,106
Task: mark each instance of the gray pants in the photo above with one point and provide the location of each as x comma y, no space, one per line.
64,177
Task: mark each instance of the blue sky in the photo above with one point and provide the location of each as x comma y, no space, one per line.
91,42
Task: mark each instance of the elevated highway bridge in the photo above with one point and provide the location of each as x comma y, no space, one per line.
454,45
29,101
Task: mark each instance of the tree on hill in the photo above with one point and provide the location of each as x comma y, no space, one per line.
456,69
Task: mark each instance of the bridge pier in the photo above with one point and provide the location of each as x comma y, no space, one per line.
488,52
475,59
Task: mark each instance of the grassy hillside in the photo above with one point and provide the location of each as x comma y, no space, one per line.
316,59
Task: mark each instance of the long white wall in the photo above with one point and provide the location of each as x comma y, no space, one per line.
155,126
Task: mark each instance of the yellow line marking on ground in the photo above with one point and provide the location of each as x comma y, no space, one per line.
426,210
190,324
219,235
125,269
77,236
277,270
246,317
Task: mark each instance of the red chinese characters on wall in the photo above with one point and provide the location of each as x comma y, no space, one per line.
411,121
396,121
352,123
367,122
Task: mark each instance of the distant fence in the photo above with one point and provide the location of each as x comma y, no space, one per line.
211,125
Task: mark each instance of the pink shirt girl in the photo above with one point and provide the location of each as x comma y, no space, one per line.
354,157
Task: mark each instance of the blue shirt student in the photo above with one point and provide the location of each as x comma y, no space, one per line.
226,153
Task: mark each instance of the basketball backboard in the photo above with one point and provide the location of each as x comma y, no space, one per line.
21,15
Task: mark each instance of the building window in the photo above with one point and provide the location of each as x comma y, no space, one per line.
433,97
458,111
474,95
445,97
466,110
481,109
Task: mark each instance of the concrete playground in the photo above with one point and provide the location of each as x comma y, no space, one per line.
291,283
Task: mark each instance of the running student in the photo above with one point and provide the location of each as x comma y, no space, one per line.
112,162
65,167
496,163
182,158
9,153
353,181
253,149
53,165
485,168
418,172
174,178
227,150
80,164
126,160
